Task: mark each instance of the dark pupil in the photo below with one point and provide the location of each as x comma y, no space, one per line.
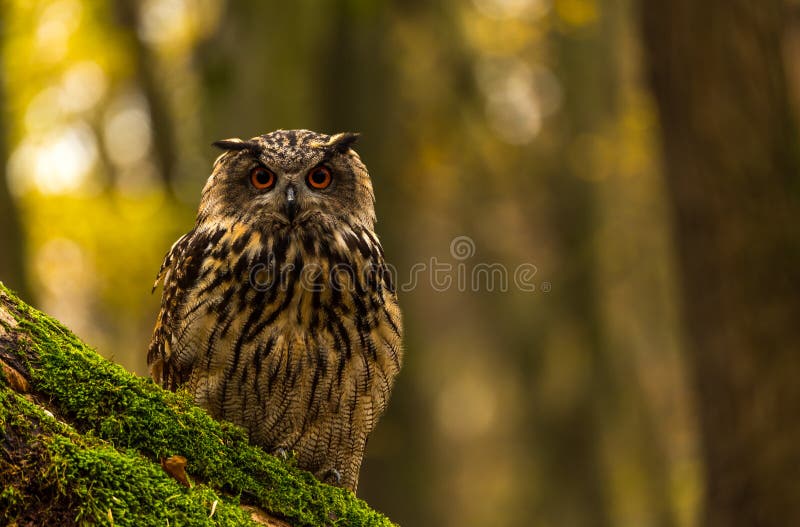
262,177
318,177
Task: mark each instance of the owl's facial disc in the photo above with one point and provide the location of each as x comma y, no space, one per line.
295,179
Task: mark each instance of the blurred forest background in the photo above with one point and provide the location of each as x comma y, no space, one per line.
642,156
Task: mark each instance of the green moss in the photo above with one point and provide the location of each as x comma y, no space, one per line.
129,423
80,480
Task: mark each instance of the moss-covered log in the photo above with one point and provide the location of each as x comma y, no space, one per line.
83,442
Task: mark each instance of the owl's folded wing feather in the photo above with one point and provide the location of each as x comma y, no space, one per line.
179,273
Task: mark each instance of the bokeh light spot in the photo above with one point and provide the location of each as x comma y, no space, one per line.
527,9
577,13
518,97
57,23
56,163
82,87
127,131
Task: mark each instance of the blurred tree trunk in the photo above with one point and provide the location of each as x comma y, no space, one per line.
12,241
573,436
12,251
163,129
732,167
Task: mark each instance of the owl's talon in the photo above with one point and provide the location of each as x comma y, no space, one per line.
281,453
335,475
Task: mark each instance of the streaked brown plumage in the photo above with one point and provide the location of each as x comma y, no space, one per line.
278,311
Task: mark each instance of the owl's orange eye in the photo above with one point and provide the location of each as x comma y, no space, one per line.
261,178
319,178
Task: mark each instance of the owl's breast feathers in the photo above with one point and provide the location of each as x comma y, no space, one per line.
294,334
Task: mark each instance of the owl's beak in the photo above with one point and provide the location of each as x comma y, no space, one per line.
291,202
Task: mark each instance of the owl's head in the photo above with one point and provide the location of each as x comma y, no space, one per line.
289,178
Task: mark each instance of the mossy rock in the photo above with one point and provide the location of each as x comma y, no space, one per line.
84,441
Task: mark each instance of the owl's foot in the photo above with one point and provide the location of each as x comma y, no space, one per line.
281,453
333,476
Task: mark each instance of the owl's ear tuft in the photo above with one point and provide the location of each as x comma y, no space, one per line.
342,142
234,144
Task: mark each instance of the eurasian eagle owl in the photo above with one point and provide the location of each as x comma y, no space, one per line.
278,312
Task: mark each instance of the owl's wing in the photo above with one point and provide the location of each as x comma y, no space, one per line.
179,273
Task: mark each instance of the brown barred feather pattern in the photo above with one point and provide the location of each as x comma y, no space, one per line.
278,311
